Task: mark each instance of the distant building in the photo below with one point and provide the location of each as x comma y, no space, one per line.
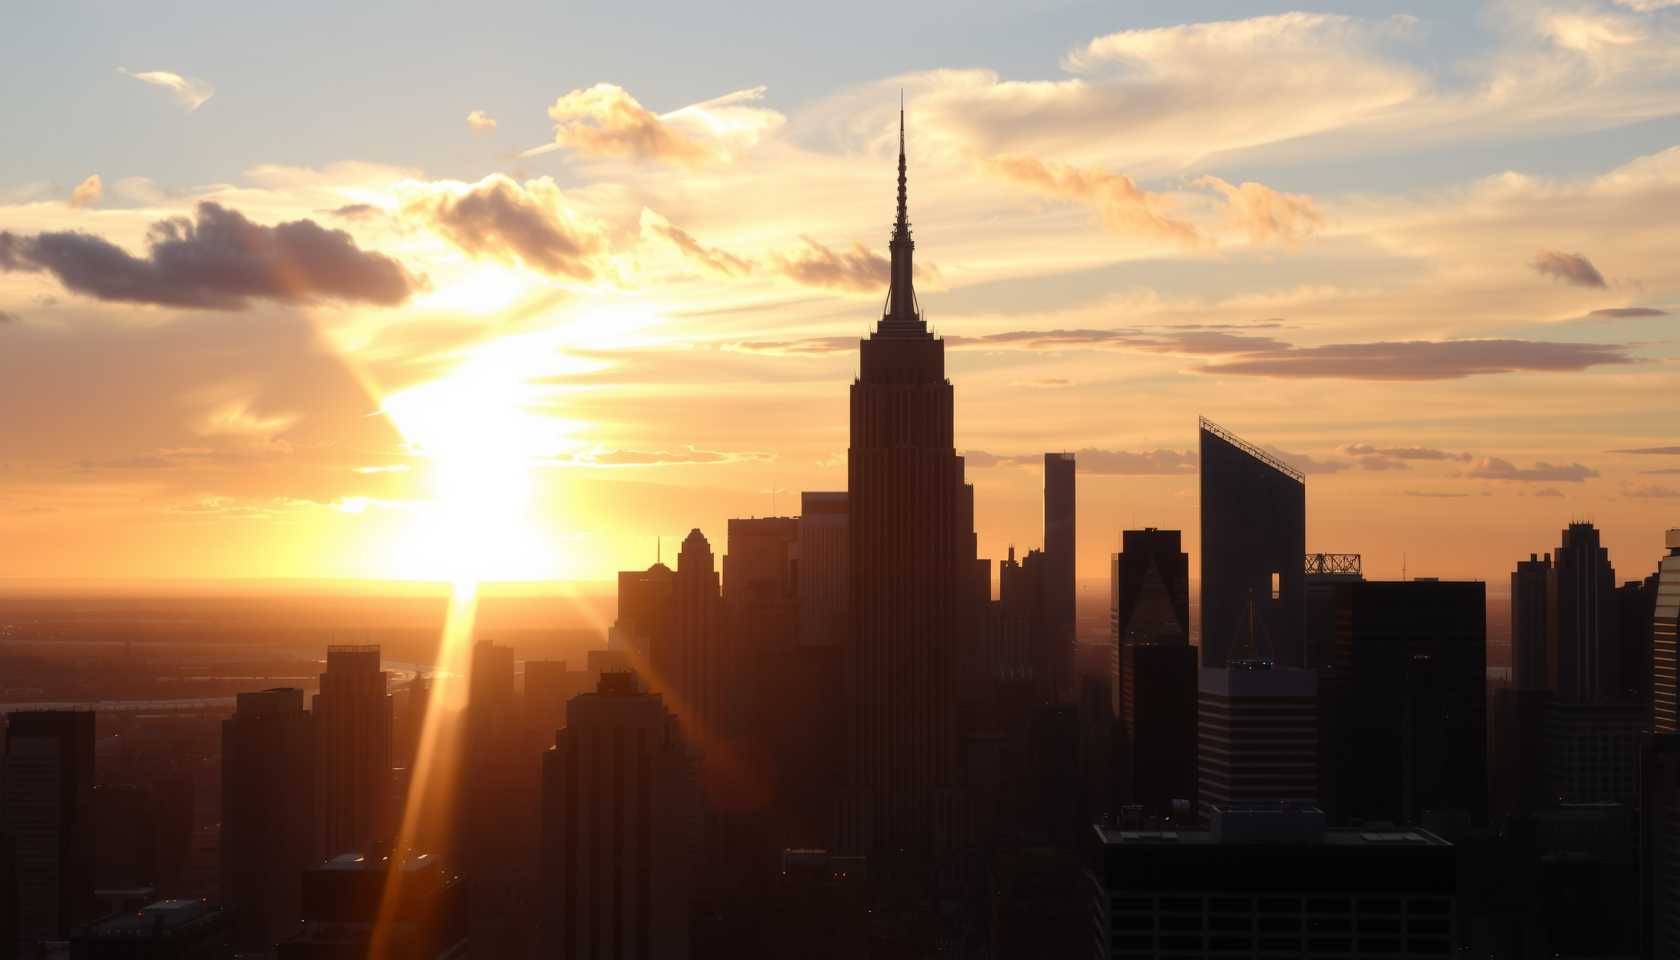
1040,906
165,930
343,899
617,819
1581,622
1665,668
1160,725
1257,736
1636,607
644,613
1271,880
697,670
1323,572
352,752
1060,622
1254,530
1149,595
823,587
762,562
818,908
1411,732
1529,660
1592,751
47,815
1659,850
268,803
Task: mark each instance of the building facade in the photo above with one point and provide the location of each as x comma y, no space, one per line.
47,814
1257,737
352,753
268,806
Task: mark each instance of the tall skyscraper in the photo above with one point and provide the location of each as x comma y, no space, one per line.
763,560
911,534
1665,666
1149,595
352,753
1581,625
268,799
1254,539
1323,572
498,794
617,795
46,812
1159,724
696,671
1387,699
1529,670
644,616
1060,620
1257,737
823,585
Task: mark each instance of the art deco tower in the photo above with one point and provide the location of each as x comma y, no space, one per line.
911,559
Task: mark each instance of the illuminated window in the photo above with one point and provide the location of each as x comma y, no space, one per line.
1277,580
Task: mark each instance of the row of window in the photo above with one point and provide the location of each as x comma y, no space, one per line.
1134,924
1125,945
1168,903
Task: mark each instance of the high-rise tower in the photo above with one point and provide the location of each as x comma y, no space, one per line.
1059,590
352,753
910,535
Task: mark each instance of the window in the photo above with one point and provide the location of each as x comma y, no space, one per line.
1277,584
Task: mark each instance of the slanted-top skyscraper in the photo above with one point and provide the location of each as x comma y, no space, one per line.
911,521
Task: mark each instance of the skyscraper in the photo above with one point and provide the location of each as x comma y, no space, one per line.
910,533
1391,706
823,568
1581,626
352,753
1149,594
46,812
1060,622
617,794
696,671
268,799
1665,667
644,615
1254,539
1529,670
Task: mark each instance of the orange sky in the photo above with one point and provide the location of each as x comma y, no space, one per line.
1440,280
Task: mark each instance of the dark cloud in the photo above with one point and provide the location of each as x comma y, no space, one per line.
221,261
856,269
1369,457
498,219
356,212
1648,450
1090,460
1548,492
7,316
1420,360
1306,464
604,457
1627,313
1572,268
1493,468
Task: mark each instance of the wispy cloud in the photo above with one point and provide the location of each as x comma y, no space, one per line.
1572,268
1099,462
1266,215
615,457
1421,360
1121,205
221,260
604,121
1493,468
86,194
190,92
1658,450
1368,457
1649,491
1627,313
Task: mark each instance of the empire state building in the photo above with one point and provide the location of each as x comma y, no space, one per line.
911,566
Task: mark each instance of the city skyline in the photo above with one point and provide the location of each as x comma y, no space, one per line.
1443,301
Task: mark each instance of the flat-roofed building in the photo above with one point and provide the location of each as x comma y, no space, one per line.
165,930
1257,737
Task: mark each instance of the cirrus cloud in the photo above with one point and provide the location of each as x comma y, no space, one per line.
1493,468
190,92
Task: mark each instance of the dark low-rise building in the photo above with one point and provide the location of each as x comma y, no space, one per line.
1271,880
343,897
165,930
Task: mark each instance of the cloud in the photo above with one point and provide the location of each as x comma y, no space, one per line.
220,262
6,316
1669,472
710,260
190,92
1121,205
812,347
1267,215
86,194
29,510
497,219
1627,313
1415,493
604,121
1420,359
614,457
1306,464
1548,492
1493,468
479,122
139,462
1041,383
1091,460
1662,450
1572,268
1648,491
357,212
1368,457
857,269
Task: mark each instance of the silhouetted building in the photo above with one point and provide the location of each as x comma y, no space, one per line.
1592,751
1663,648
1254,532
498,804
1060,622
818,908
1041,906
1149,595
268,799
1160,724
343,899
1636,608
617,802
165,930
1529,660
823,568
46,817
910,533
548,685
1323,572
1659,849
1272,881
1391,707
644,613
1581,621
763,560
352,752
1257,736
696,673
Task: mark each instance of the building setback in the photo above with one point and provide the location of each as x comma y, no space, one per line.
268,804
1254,536
910,530
1404,729
695,671
46,812
352,753
1257,739
617,801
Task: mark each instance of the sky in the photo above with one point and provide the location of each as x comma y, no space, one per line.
405,292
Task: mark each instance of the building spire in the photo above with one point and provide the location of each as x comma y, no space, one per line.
901,297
